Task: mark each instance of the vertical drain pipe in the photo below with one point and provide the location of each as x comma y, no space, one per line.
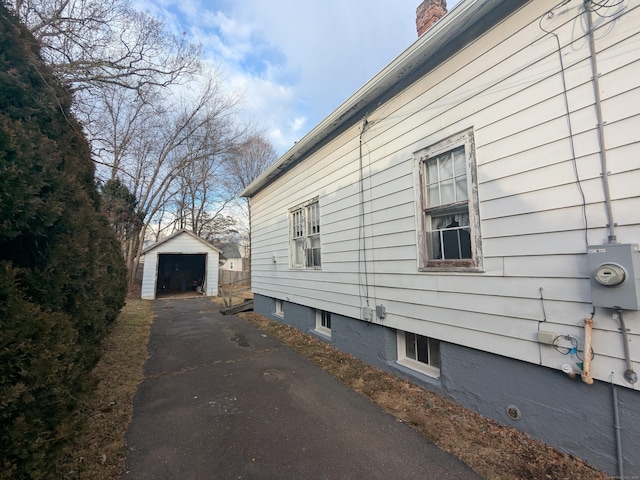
616,418
631,377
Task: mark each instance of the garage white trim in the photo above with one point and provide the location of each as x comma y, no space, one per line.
179,263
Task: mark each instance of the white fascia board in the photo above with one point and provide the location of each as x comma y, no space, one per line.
429,46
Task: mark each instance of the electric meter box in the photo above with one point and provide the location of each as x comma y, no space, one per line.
614,273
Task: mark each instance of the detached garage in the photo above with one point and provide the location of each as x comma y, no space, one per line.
183,262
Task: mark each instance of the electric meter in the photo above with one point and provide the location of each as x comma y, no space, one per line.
609,275
614,274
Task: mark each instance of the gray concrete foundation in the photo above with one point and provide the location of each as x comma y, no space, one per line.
565,413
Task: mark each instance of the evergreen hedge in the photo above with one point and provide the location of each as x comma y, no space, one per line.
62,276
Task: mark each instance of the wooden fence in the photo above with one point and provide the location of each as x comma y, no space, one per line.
234,287
234,276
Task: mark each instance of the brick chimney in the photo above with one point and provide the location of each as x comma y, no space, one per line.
428,13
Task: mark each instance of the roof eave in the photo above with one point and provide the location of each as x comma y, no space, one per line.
431,45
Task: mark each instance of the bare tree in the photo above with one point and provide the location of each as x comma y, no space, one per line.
203,194
157,149
117,121
251,158
92,43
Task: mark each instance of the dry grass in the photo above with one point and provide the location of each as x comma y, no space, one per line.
96,449
494,451
97,433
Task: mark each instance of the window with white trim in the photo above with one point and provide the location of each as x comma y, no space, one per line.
448,213
419,353
323,322
305,235
279,308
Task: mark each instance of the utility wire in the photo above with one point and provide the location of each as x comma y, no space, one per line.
565,95
362,247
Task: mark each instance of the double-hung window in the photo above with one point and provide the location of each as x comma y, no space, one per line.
305,235
448,212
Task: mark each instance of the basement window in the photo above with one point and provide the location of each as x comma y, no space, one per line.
323,322
419,353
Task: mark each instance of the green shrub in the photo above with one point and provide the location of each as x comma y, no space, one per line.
37,383
62,276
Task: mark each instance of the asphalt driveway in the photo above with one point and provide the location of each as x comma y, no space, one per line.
223,400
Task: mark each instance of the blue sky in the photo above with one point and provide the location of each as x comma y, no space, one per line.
295,61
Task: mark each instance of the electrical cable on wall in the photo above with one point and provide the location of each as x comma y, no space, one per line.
565,94
363,280
544,319
568,345
596,7
544,312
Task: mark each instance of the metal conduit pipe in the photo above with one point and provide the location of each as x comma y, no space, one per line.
616,417
600,129
629,375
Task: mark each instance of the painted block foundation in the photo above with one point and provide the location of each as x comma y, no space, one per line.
563,412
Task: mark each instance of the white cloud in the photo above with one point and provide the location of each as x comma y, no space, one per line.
296,61
298,123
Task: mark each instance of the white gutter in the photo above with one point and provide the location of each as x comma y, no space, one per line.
442,34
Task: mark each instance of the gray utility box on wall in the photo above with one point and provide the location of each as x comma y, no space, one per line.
614,273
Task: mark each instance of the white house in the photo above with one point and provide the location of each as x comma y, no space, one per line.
231,257
470,218
181,262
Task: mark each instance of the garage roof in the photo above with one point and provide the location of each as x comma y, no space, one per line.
189,232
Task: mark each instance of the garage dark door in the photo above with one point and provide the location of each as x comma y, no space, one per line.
180,272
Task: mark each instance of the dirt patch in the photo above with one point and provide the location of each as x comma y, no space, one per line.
494,451
134,291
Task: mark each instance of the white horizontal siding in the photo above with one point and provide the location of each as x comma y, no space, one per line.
509,88
149,277
545,221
